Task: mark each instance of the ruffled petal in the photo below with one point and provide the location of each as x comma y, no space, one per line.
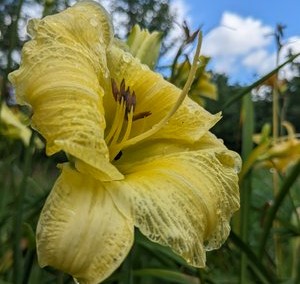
63,77
80,230
156,95
183,199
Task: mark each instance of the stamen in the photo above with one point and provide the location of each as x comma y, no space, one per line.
126,103
126,143
141,115
120,123
129,125
119,117
114,88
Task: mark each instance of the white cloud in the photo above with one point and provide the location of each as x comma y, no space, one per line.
236,36
292,45
236,41
259,61
181,10
243,45
262,62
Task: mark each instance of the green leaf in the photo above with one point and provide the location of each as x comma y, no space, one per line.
168,275
284,190
160,251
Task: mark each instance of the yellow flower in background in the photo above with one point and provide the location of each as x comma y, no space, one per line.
279,154
202,86
144,45
173,179
11,125
284,152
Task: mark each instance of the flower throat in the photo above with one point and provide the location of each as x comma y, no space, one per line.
116,140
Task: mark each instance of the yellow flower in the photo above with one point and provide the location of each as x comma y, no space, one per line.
11,125
284,152
129,166
140,41
202,86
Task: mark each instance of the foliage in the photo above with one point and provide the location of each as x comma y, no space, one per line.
264,246
153,15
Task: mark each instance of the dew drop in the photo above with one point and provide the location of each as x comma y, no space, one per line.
126,57
145,67
105,74
93,22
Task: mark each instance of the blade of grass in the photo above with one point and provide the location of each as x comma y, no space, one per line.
247,115
17,255
248,89
261,271
284,190
168,275
163,254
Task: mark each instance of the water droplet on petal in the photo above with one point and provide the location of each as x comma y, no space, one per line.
145,67
105,74
126,57
93,22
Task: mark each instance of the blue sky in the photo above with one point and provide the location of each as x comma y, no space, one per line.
237,33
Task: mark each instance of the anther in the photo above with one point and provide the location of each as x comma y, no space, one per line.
141,115
115,90
119,132
123,93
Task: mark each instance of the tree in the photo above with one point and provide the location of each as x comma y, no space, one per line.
228,128
149,14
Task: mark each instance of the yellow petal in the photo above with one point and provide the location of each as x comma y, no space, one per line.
158,96
63,77
144,45
80,230
183,199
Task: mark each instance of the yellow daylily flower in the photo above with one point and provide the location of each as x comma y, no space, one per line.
132,164
202,86
284,152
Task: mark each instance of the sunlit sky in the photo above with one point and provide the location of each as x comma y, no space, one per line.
237,34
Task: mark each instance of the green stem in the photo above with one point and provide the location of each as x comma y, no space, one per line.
245,210
248,89
284,190
256,262
28,265
246,188
17,255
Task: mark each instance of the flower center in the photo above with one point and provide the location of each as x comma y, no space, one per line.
124,117
117,139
